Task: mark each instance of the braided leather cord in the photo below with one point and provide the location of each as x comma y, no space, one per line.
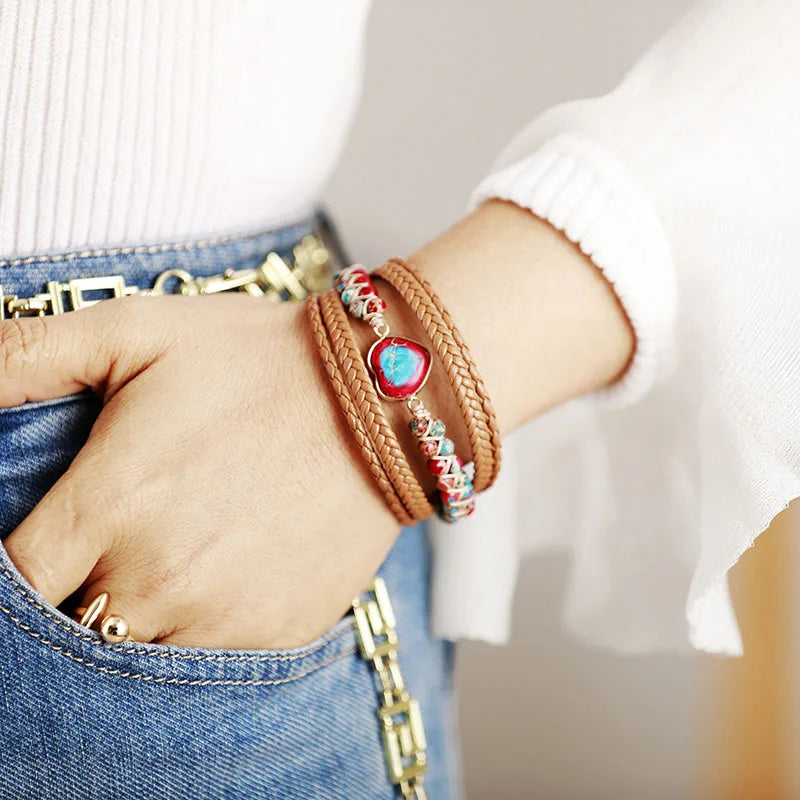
370,408
467,384
351,411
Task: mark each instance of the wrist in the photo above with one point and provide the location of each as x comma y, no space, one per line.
437,393
542,322
321,430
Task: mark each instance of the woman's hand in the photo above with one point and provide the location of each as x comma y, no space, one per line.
218,499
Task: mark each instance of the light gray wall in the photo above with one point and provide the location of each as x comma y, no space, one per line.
448,83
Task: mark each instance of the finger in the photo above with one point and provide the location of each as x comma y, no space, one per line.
145,588
58,544
77,534
205,635
73,538
46,357
128,614
55,548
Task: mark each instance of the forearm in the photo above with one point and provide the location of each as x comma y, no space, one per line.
542,323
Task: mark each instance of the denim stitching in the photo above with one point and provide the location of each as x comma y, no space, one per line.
139,676
323,642
23,591
139,249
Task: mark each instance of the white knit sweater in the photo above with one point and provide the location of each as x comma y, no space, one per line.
126,122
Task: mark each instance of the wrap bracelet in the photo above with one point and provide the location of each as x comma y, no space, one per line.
462,372
381,435
400,368
352,411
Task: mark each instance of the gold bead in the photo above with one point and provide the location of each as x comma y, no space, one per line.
114,629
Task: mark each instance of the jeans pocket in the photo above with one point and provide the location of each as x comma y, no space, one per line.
80,718
37,443
30,613
83,719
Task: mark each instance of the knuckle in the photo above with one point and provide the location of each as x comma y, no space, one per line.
22,341
137,321
152,573
85,516
169,576
36,568
124,308
115,316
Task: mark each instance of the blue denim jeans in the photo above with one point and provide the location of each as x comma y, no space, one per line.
83,719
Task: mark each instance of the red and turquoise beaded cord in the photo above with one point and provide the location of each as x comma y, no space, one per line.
400,368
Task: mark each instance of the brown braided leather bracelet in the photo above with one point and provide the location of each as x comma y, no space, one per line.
351,412
370,408
466,382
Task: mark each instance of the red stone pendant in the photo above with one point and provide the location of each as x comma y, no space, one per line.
400,366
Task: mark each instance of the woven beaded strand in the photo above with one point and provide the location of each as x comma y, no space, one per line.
400,368
455,487
462,372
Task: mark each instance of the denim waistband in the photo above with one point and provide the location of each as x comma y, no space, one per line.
141,264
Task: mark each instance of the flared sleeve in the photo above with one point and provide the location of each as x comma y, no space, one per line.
683,186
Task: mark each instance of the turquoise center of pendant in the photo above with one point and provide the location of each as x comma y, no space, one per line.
398,364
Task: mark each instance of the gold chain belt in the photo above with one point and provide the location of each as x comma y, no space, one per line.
402,732
274,278
401,720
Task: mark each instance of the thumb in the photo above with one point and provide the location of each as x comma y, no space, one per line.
100,347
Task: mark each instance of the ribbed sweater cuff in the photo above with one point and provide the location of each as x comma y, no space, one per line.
586,192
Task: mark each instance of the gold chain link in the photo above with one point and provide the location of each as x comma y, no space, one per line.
274,278
402,730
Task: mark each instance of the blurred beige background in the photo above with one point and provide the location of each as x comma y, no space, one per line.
448,83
